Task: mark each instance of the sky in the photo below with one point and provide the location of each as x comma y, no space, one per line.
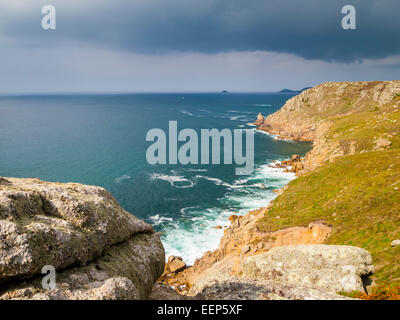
194,45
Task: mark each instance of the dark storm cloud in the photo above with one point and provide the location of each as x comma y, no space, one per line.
308,28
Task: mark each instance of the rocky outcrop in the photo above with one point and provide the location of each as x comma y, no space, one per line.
235,288
381,144
260,119
309,115
242,239
300,117
321,115
395,243
164,292
99,250
306,272
175,264
328,267
295,164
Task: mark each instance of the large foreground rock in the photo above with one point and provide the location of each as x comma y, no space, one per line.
235,288
304,272
99,250
221,283
328,267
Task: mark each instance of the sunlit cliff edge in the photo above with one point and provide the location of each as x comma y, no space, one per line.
347,194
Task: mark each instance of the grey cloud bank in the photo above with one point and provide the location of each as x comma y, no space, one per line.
309,28
191,45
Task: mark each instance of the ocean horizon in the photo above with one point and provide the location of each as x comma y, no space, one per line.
99,139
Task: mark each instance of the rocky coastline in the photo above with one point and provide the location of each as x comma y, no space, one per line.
306,117
305,251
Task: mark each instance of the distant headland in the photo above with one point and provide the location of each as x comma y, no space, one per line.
294,91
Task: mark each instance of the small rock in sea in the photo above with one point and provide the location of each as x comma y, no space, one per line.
218,227
395,243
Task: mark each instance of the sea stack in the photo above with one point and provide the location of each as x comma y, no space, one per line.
260,119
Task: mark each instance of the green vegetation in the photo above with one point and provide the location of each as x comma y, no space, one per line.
377,293
364,128
357,194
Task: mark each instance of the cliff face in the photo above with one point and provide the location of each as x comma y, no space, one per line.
347,194
340,118
99,251
242,239
300,117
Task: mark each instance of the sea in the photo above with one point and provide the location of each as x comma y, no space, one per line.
100,139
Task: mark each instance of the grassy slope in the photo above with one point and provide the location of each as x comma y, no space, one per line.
350,100
359,195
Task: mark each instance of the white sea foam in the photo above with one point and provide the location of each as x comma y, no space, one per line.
122,178
195,231
191,114
234,118
262,132
196,170
219,182
202,235
187,113
157,219
245,112
173,180
274,136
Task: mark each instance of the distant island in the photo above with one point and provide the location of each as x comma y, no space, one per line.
224,91
293,91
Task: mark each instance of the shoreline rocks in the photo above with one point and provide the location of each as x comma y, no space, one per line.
306,117
294,165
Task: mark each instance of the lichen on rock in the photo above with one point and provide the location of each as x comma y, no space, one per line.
98,249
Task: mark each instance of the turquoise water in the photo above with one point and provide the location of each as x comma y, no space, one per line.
100,140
